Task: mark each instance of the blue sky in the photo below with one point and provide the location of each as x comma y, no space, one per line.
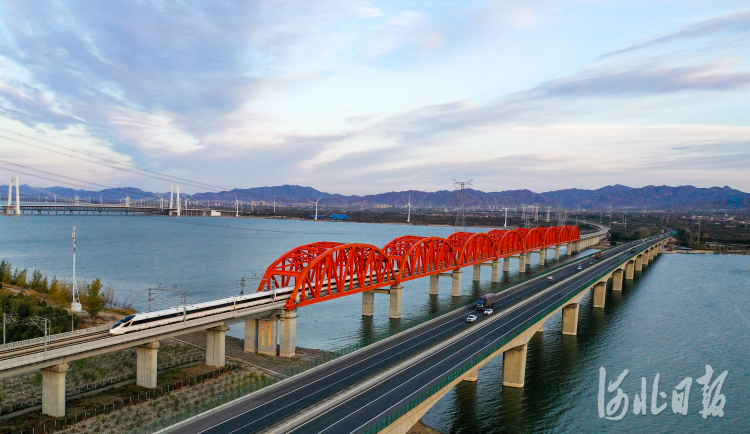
362,97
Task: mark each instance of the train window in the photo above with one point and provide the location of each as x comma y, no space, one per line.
124,320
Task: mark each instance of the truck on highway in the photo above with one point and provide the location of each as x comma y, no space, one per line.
487,301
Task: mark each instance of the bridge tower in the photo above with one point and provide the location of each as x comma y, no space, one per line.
8,210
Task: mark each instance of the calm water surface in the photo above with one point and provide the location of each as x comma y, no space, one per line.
682,313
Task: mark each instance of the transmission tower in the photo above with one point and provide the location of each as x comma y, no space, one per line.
461,212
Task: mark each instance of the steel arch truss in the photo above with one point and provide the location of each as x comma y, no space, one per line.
425,257
285,270
342,270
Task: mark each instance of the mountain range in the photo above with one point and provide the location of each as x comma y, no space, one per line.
618,196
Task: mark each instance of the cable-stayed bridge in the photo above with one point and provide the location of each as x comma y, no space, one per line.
26,199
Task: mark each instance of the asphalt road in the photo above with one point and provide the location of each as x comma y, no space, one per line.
366,408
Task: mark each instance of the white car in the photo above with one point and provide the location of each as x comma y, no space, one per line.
471,318
488,311
579,268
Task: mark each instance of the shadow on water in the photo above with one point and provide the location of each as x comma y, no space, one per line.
464,405
367,330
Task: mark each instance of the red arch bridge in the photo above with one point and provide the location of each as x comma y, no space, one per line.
326,270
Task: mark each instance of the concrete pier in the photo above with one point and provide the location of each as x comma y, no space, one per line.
495,271
472,375
570,319
600,294
368,301
146,366
397,292
477,272
434,284
542,256
569,249
521,263
456,290
267,336
639,263
53,390
251,336
630,270
514,366
557,252
288,336
215,346
528,260
506,264
617,280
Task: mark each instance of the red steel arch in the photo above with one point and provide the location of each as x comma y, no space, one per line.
550,237
425,257
533,239
569,234
472,248
510,244
342,270
398,247
289,266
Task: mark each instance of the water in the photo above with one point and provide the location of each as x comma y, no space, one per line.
684,312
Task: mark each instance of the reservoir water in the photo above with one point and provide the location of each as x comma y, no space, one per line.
682,313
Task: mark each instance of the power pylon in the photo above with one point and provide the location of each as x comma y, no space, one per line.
461,212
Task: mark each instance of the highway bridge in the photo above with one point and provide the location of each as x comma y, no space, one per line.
390,385
316,273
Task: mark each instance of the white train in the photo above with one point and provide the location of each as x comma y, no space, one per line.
143,321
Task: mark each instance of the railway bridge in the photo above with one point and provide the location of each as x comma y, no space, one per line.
315,272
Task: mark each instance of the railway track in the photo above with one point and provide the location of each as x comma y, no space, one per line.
38,347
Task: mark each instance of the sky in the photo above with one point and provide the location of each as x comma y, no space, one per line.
359,97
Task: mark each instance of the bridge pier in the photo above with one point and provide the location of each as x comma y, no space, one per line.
600,294
251,336
434,284
495,271
368,301
53,390
542,256
557,252
506,264
288,334
514,366
396,294
456,289
639,263
528,260
569,249
267,336
630,270
472,375
215,346
570,319
146,366
617,280
477,272
541,327
521,263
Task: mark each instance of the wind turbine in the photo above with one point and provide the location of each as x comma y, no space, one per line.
408,216
236,206
316,206
505,225
274,205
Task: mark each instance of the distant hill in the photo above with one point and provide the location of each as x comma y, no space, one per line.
618,196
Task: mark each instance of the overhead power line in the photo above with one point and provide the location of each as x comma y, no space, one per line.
109,162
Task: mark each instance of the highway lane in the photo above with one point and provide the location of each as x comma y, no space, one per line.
371,405
273,405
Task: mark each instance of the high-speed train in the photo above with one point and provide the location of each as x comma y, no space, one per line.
143,321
